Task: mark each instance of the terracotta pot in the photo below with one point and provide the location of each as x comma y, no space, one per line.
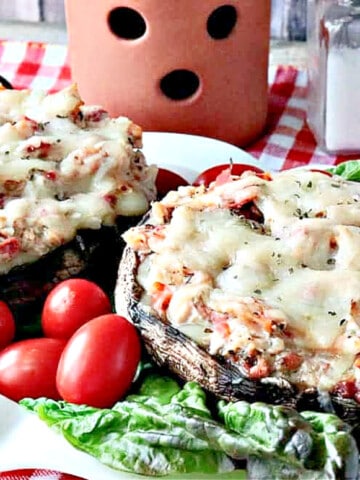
186,66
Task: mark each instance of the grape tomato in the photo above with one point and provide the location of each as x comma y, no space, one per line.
99,362
167,180
28,368
7,325
70,304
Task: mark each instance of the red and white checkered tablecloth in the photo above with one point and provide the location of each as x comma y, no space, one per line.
37,474
287,141
35,65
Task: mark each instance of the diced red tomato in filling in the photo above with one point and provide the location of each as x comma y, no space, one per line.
111,199
9,247
96,115
51,175
257,367
161,297
333,243
291,361
346,389
13,186
349,388
42,150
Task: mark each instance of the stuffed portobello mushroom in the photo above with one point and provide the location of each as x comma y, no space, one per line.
251,287
72,179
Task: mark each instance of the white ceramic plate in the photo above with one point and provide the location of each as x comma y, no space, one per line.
25,441
189,155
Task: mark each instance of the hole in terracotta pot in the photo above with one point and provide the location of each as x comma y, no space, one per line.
221,22
126,23
179,84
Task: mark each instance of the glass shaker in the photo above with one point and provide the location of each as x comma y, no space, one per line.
334,74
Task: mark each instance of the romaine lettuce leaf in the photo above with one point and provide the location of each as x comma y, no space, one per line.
167,429
306,445
349,170
160,431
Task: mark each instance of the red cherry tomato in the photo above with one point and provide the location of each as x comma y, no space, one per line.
7,325
70,304
99,362
209,175
28,368
167,180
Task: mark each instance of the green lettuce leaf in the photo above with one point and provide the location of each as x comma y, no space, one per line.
165,430
349,170
276,431
333,455
332,437
161,431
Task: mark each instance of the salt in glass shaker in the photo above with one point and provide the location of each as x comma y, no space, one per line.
334,74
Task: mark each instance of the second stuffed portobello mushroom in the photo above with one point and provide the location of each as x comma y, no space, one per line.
72,179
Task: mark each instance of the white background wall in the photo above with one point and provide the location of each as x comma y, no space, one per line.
33,10
288,16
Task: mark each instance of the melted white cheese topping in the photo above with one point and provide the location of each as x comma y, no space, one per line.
64,166
299,267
